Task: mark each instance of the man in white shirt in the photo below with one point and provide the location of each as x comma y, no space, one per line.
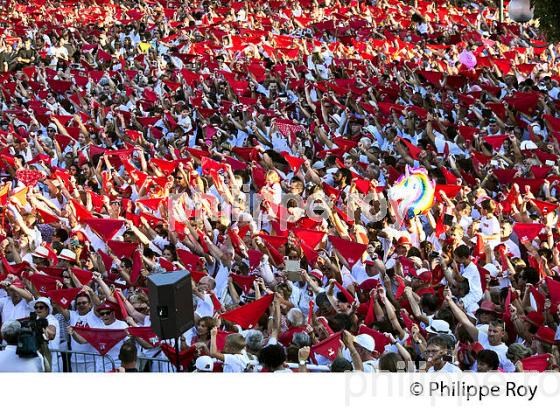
468,271
491,341
16,304
9,360
83,316
436,353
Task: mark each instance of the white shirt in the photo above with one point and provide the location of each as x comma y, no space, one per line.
500,349
114,352
235,363
470,272
447,368
11,362
10,312
87,320
490,226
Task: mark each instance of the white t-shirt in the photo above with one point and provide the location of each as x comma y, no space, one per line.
490,226
235,363
370,366
114,352
470,272
500,349
87,320
11,362
447,368
10,312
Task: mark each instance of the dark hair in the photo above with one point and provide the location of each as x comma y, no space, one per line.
439,341
490,358
389,361
531,275
340,321
62,234
429,302
272,356
128,352
462,251
341,365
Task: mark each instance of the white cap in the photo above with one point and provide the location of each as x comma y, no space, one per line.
67,255
204,364
366,341
41,252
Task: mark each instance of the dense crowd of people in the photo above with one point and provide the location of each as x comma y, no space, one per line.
253,144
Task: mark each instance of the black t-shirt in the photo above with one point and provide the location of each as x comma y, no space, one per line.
26,54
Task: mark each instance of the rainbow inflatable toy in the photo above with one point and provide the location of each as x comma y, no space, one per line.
412,194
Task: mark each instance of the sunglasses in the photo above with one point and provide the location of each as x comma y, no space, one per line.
105,313
40,307
82,303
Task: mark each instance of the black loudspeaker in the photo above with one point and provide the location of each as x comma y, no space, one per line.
171,303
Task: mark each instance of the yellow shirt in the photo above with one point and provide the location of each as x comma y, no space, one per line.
144,47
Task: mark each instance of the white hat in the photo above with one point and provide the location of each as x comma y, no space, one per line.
41,252
52,125
67,255
204,364
528,145
439,327
366,341
44,300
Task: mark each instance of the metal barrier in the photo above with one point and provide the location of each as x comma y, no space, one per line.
155,365
79,362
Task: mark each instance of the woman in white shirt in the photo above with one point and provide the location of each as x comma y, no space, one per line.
43,308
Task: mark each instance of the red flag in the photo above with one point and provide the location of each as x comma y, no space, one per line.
553,290
538,363
255,258
248,315
370,315
451,191
345,292
380,339
84,276
105,228
63,297
328,347
413,150
136,266
122,249
527,232
145,333
244,282
185,356
47,217
102,340
82,213
188,259
276,241
351,251
121,313
311,237
43,283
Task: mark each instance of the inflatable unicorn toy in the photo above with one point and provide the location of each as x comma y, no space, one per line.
412,194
